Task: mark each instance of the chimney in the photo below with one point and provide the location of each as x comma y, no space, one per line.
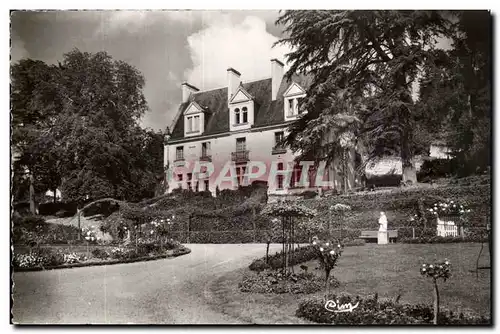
276,77
187,89
233,82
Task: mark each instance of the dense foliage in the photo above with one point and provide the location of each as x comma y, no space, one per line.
365,68
76,128
372,311
300,255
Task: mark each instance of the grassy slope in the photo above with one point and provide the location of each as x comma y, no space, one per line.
363,270
400,203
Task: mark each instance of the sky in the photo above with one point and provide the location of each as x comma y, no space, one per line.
167,47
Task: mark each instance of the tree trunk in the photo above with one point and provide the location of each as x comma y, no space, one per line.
267,252
283,240
436,303
346,172
287,257
32,193
79,224
409,171
254,226
327,281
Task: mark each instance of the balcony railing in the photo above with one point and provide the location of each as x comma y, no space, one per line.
205,157
239,156
179,158
278,150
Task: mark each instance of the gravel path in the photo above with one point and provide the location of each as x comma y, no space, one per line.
169,291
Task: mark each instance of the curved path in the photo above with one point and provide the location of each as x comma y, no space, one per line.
169,291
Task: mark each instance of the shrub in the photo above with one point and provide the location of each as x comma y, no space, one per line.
27,261
300,255
444,240
100,253
371,311
121,253
436,168
308,194
277,282
74,258
50,257
30,222
259,265
353,242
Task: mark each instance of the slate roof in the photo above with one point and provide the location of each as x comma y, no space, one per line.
266,112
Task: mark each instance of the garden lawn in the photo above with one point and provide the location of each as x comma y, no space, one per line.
388,270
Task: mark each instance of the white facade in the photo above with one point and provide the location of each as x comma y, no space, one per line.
200,160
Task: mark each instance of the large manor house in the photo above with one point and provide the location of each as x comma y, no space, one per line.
241,123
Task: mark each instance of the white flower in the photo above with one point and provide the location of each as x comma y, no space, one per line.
314,242
321,249
431,266
468,210
151,232
338,245
423,269
446,262
327,244
461,211
173,217
332,252
451,201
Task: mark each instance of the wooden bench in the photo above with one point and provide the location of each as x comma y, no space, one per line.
372,236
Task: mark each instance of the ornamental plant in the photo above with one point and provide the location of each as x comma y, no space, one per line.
436,271
90,236
449,208
341,209
328,255
287,212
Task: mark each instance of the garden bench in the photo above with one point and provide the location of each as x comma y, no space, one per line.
372,236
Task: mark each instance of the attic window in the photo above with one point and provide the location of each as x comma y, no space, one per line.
241,116
293,106
193,124
245,114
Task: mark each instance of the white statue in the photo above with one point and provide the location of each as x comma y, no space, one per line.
382,221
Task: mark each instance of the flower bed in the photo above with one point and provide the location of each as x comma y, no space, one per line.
276,282
300,255
53,258
371,311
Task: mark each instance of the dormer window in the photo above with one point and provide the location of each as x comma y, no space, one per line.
241,108
294,106
193,124
293,98
194,118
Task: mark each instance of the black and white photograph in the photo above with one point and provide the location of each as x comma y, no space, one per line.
319,167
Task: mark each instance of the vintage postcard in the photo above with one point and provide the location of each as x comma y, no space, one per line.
245,167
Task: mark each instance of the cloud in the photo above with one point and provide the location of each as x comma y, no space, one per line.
240,42
17,50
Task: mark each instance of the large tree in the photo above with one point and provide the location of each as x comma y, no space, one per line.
35,105
91,138
455,92
364,65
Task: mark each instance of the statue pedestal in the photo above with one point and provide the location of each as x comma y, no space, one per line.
383,237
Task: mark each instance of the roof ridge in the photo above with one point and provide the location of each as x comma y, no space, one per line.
225,87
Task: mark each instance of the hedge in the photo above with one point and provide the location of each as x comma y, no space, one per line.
300,255
371,311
